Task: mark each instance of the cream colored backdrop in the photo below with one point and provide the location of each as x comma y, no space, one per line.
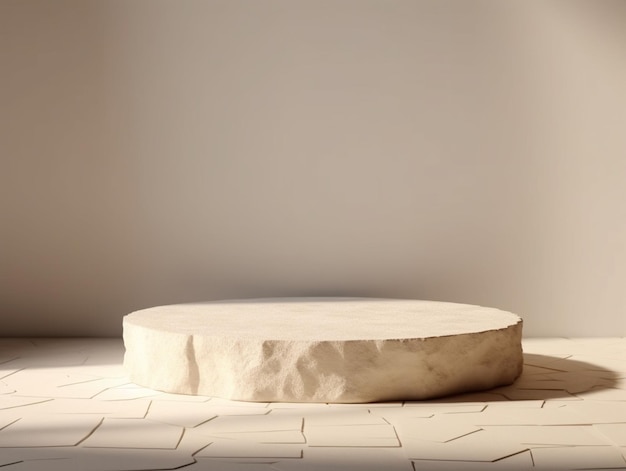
155,152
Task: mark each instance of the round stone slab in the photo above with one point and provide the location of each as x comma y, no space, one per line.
322,349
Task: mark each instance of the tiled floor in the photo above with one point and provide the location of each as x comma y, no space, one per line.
66,405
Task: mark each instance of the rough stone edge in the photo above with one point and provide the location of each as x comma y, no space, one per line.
187,378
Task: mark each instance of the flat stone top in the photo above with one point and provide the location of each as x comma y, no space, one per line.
322,319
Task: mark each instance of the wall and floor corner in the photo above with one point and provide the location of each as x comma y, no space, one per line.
158,152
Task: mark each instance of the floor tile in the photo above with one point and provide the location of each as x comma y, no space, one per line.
251,423
343,417
433,429
134,433
616,433
185,414
217,464
351,436
347,459
604,394
563,435
12,402
129,409
179,398
518,462
413,408
123,394
79,459
273,436
588,457
50,430
244,449
479,446
600,412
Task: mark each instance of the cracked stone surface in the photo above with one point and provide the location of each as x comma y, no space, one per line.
344,350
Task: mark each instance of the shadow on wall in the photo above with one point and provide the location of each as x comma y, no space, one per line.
461,151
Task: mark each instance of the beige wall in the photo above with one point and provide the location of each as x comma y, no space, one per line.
155,152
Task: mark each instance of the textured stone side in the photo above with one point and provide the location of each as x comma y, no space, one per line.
349,371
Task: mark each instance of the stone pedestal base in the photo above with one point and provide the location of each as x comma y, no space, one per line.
322,349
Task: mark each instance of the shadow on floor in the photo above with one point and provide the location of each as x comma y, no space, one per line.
546,377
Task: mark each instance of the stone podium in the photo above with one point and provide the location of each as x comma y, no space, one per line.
348,350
